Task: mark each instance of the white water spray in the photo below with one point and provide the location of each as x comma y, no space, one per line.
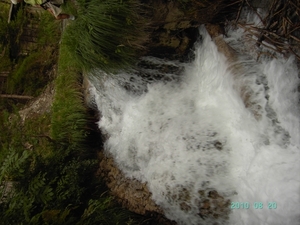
193,134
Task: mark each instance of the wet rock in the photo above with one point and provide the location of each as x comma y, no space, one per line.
131,193
136,197
246,93
175,25
213,205
168,40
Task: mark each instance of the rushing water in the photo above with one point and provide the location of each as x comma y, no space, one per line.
191,132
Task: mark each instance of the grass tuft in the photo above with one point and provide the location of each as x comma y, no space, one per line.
106,34
69,116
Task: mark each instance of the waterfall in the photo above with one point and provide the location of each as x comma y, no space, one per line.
184,129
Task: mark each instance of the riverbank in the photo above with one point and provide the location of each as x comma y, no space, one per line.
51,160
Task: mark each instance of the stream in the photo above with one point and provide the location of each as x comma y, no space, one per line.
185,130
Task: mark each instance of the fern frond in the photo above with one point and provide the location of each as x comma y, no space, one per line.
13,165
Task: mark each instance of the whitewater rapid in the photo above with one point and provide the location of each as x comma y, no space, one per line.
193,134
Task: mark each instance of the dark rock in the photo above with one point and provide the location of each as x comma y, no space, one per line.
175,26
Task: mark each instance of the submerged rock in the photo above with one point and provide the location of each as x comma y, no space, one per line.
130,193
135,196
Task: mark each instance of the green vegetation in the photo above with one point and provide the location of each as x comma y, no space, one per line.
31,74
48,172
53,185
107,34
4,26
49,31
15,29
68,109
52,169
9,34
48,169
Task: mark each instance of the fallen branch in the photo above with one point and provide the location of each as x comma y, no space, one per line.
16,96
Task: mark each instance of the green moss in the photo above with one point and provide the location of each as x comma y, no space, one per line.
30,75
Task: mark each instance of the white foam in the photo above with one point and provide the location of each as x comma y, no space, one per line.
178,136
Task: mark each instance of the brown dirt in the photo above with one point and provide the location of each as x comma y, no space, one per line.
39,105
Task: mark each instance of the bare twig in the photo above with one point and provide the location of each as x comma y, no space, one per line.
278,12
295,38
269,47
271,9
280,27
234,3
254,11
274,42
239,12
273,24
297,7
267,54
294,29
298,56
